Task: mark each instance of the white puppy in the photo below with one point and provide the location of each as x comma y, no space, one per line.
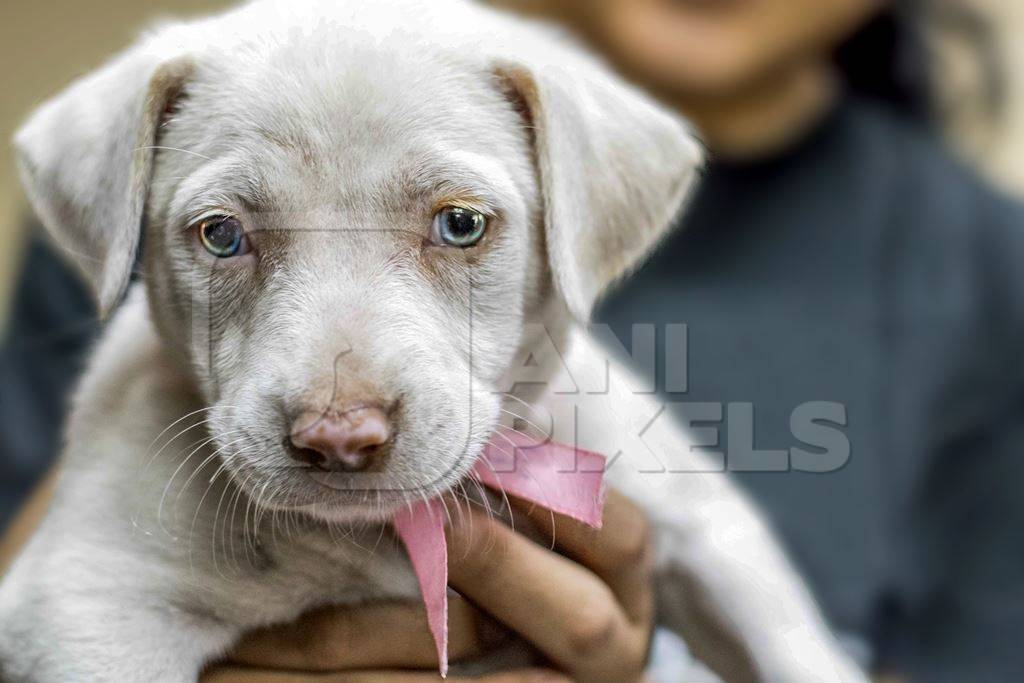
363,222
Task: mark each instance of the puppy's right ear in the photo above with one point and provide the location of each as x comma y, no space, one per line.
614,168
85,158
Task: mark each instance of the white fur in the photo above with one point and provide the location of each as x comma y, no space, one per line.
334,130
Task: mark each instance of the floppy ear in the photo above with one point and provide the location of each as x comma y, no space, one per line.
614,171
85,158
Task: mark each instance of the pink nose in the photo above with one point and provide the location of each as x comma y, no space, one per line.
348,441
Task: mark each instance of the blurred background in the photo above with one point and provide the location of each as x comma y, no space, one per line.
858,240
43,47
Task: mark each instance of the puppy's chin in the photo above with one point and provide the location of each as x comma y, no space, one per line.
347,499
348,513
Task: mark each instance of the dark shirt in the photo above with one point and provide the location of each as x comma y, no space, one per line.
45,345
863,268
866,268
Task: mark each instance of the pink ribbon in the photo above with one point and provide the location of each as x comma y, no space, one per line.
561,478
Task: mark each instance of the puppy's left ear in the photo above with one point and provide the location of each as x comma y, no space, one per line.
614,169
85,159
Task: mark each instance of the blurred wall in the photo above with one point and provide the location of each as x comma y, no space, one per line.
43,46
995,144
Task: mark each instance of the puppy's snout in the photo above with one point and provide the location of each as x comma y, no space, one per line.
349,441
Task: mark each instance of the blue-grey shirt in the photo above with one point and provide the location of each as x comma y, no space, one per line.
863,272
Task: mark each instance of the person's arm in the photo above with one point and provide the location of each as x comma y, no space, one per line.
971,626
42,352
959,608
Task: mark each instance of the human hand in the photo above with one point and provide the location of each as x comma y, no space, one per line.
587,606
385,643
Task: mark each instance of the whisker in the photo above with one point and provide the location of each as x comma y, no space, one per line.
239,492
213,535
170,441
173,149
533,409
176,422
517,416
167,488
205,462
507,503
195,518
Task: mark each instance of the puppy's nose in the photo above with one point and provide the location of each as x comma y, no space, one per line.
348,441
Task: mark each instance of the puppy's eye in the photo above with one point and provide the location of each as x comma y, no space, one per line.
223,236
458,227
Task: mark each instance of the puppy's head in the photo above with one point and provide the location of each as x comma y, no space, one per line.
349,212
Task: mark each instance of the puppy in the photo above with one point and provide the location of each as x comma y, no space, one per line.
368,228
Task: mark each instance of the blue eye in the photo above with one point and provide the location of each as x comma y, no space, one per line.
458,227
223,236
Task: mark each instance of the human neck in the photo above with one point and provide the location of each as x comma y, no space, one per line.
764,119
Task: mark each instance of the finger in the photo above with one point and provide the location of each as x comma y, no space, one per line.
561,607
368,637
246,675
530,676
620,552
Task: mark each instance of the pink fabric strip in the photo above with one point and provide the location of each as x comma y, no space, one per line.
422,531
561,478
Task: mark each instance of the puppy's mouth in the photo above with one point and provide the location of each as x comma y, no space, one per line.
355,484
376,497
341,500
352,506
383,484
